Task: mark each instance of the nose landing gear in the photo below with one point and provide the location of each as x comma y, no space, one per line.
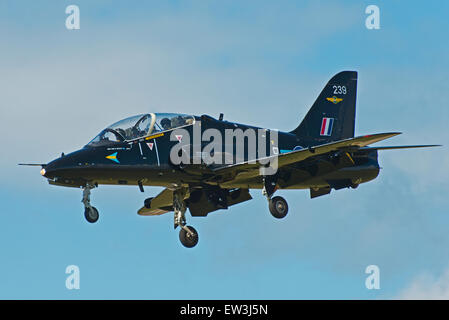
90,213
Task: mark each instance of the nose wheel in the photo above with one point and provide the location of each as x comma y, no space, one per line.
90,213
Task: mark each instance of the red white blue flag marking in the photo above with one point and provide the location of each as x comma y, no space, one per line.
326,126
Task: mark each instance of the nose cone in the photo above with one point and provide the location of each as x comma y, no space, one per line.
63,165
66,170
52,169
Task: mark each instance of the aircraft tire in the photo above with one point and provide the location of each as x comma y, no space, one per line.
278,207
91,214
187,240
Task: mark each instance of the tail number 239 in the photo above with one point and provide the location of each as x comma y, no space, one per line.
339,89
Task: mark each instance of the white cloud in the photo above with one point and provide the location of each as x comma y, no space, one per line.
426,286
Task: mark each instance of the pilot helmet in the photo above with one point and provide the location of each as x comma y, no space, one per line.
166,123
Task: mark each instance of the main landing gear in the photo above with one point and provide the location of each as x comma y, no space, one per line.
187,235
90,213
277,205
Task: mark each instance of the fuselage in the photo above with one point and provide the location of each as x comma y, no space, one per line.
147,160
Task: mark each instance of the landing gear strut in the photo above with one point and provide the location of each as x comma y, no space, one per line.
187,235
90,213
278,206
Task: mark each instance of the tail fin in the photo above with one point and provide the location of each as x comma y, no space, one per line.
332,116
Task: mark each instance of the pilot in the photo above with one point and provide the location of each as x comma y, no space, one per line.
178,121
166,123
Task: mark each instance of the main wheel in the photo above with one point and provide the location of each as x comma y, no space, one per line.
188,240
91,214
278,207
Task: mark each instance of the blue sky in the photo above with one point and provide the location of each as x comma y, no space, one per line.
258,62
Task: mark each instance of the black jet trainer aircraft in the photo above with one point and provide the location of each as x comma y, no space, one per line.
321,154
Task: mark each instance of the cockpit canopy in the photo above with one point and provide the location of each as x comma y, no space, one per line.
140,126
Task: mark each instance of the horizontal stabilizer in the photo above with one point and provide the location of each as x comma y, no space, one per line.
33,164
401,147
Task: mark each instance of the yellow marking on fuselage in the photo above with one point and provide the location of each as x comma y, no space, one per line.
154,136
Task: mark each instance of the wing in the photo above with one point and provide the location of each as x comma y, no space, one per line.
163,202
251,168
201,201
160,204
